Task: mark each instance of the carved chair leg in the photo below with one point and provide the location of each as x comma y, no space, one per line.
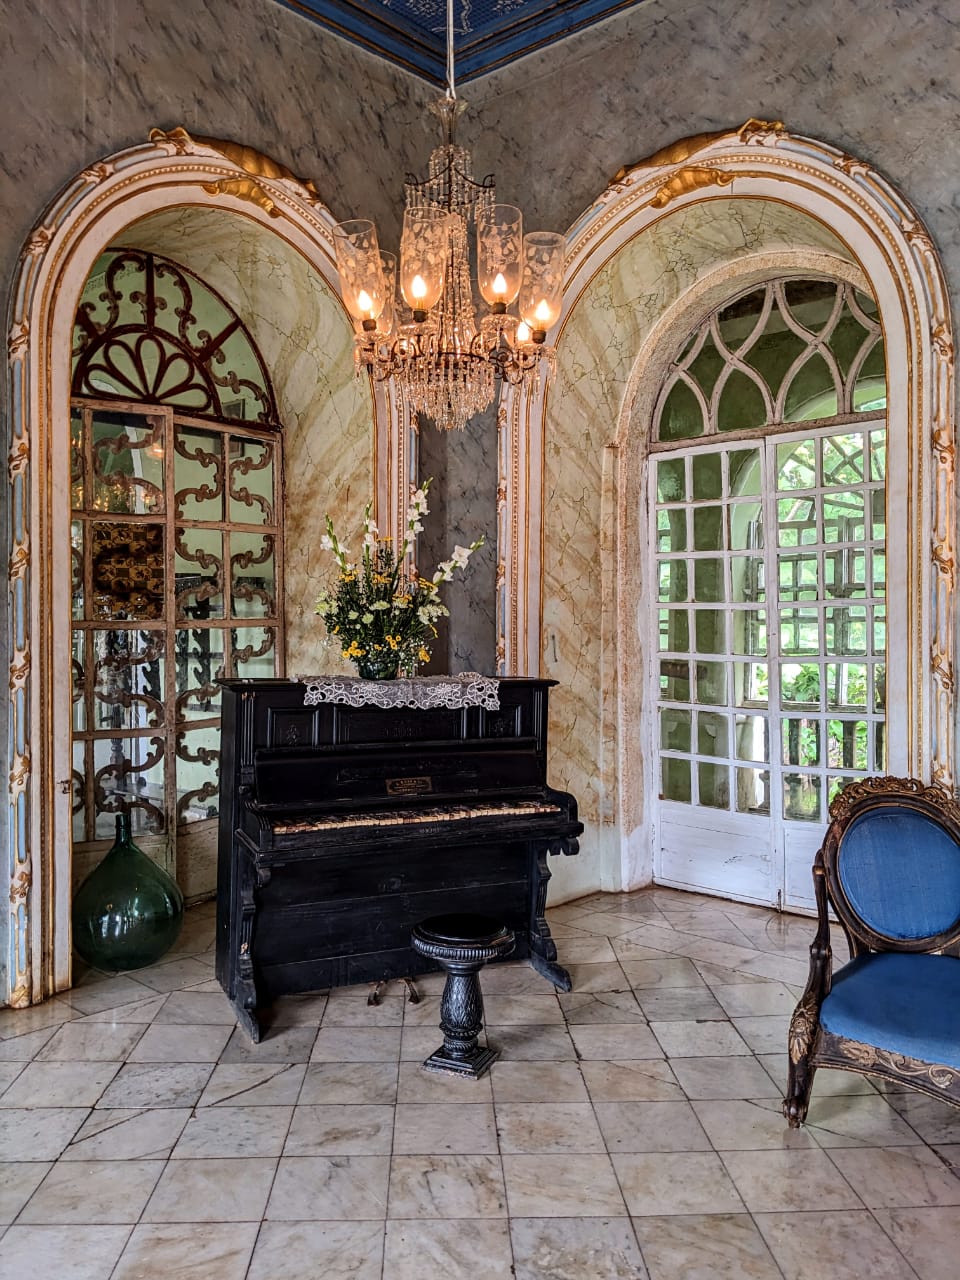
804,1028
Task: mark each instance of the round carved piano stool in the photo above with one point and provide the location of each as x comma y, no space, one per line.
462,944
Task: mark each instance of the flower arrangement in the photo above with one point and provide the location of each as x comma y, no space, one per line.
380,609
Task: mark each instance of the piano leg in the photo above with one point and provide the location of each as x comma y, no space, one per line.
243,985
550,970
543,949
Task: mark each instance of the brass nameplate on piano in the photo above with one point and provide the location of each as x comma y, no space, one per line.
409,786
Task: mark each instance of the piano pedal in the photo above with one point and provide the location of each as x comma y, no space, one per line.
413,995
376,988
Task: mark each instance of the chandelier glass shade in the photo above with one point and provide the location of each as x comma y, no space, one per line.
423,330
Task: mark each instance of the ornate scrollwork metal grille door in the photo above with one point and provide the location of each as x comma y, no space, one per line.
176,545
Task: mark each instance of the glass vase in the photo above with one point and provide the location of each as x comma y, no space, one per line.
129,911
382,667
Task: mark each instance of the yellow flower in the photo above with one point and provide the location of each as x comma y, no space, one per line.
393,642
354,650
423,654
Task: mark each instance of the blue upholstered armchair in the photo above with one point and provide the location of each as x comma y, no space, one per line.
890,870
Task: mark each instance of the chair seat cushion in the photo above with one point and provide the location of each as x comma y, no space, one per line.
908,1004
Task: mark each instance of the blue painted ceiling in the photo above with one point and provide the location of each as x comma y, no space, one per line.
488,34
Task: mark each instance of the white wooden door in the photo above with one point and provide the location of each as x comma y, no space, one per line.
769,680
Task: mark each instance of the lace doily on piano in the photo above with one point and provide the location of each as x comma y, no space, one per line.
423,692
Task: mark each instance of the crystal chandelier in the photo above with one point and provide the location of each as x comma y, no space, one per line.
445,363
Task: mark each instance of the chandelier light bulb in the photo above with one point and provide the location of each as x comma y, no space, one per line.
500,286
541,289
499,245
418,288
524,332
361,275
423,258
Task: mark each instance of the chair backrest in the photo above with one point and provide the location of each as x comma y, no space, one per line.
892,864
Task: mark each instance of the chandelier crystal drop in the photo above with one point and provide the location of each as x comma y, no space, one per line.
416,321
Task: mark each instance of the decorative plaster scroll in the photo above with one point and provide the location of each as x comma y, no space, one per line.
686,180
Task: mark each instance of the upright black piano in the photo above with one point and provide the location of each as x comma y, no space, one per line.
342,826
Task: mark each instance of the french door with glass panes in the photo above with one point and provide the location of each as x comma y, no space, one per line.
770,644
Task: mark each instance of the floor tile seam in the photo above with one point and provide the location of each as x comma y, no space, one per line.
877,1147
861,1204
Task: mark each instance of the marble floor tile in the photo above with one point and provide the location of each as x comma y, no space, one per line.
335,1082
357,1044
854,1244
699,1247
103,993
864,1119
547,1186
415,1084
624,1081
676,1182
26,1047
353,1011
177,1042
530,1044
74,1252
698,1039
537,1082
679,1004
174,975
126,1134
85,1041
147,1084
38,1133
201,1008
20,1022
8,1073
444,1127
333,1250
59,1084
787,1181
650,1126
755,998
212,1191
601,1006
750,1125
445,1247
280,1044
933,1120
225,1132
598,977
18,1181
334,1188
446,1186
588,949
504,1010
253,1084
765,1033
209,1251
655,975
358,1129
92,1192
299,1010
585,1248
725,1077
137,1011
609,1041
926,1237
519,978
551,1127
898,1177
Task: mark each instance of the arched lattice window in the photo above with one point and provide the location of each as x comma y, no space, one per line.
788,351
176,540
767,497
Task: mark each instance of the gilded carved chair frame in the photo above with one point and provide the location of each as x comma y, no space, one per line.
810,1044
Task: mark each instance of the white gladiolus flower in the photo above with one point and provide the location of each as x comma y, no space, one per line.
370,539
460,556
326,542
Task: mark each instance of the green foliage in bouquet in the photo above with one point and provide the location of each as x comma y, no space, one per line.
379,608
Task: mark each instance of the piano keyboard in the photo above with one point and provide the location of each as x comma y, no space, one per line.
407,817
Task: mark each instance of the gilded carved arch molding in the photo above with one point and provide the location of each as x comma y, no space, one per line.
173,169
888,244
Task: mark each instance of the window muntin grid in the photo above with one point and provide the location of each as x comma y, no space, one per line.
772,651
177,569
790,350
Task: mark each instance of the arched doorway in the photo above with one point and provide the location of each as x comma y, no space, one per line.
670,239
264,242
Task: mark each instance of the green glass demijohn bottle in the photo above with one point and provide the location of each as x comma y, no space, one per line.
129,911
